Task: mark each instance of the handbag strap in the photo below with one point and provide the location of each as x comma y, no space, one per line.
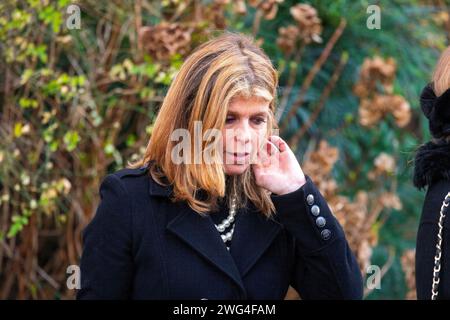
437,257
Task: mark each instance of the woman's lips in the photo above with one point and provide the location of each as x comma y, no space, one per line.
238,156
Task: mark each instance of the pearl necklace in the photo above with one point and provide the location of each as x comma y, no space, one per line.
227,222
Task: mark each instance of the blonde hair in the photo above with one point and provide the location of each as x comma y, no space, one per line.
441,76
227,66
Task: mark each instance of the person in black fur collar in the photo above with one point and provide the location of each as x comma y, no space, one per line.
432,171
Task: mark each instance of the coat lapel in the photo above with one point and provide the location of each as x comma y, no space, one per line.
200,233
253,234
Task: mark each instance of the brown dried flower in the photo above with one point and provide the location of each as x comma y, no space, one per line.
287,39
384,165
268,7
372,110
309,24
165,39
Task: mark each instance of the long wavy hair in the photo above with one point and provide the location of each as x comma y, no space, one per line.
441,75
230,65
441,82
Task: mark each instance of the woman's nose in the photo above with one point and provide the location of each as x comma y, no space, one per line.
243,133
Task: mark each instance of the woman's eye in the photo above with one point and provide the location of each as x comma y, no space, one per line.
259,120
229,120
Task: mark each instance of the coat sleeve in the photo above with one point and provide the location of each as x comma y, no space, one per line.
324,265
106,261
427,236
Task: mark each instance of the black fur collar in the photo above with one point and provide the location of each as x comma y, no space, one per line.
432,163
437,111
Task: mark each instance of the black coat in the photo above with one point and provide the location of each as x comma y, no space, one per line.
140,245
432,170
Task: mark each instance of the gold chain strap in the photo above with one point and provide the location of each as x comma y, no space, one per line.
437,257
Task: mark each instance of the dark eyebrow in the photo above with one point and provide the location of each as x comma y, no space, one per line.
260,113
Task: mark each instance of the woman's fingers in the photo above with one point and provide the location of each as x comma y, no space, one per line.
279,143
271,148
269,151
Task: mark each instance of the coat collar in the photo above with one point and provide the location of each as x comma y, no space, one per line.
432,163
155,189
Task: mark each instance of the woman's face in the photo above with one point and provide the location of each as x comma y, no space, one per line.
244,131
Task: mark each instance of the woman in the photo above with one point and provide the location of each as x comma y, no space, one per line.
176,226
432,170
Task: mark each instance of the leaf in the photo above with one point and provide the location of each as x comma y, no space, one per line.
150,70
41,52
28,103
54,146
13,230
26,75
71,139
131,140
109,148
18,129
